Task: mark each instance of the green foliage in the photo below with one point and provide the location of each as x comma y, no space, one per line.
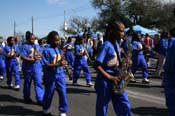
76,24
150,13
1,37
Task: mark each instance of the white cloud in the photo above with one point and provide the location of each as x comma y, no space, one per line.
57,1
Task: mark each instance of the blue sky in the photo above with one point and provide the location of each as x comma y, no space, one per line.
48,15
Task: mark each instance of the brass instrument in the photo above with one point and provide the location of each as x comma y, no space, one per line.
12,52
57,58
1,50
36,53
88,58
62,57
125,74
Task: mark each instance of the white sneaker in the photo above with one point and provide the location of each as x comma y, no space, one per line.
145,80
89,84
17,87
1,77
62,114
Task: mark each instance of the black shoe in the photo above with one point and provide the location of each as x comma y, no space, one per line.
28,100
47,114
40,103
75,84
10,86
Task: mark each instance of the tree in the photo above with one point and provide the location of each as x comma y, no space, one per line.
148,13
166,19
76,24
108,10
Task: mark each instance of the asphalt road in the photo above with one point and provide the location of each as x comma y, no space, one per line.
146,100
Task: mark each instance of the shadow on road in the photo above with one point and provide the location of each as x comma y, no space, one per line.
150,111
8,98
18,111
140,85
78,90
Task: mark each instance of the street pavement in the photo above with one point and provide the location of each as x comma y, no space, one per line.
146,99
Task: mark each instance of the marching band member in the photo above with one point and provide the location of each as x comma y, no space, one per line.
80,62
69,51
32,69
54,75
2,63
108,66
11,51
169,75
138,58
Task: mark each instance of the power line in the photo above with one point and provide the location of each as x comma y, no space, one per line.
68,12
24,22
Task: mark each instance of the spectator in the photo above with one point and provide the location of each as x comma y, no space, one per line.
163,46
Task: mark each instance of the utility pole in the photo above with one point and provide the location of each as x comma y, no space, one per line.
14,29
32,25
65,24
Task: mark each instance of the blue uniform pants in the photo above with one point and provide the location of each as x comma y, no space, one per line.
70,57
51,81
105,93
36,76
139,61
12,67
2,67
77,70
169,87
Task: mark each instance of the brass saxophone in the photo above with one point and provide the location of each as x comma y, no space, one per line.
36,53
12,52
125,74
66,67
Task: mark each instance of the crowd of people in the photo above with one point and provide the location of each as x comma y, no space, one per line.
44,63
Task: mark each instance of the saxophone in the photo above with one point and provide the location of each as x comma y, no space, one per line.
36,53
66,67
125,74
12,52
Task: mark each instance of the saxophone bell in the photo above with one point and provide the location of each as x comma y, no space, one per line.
125,78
